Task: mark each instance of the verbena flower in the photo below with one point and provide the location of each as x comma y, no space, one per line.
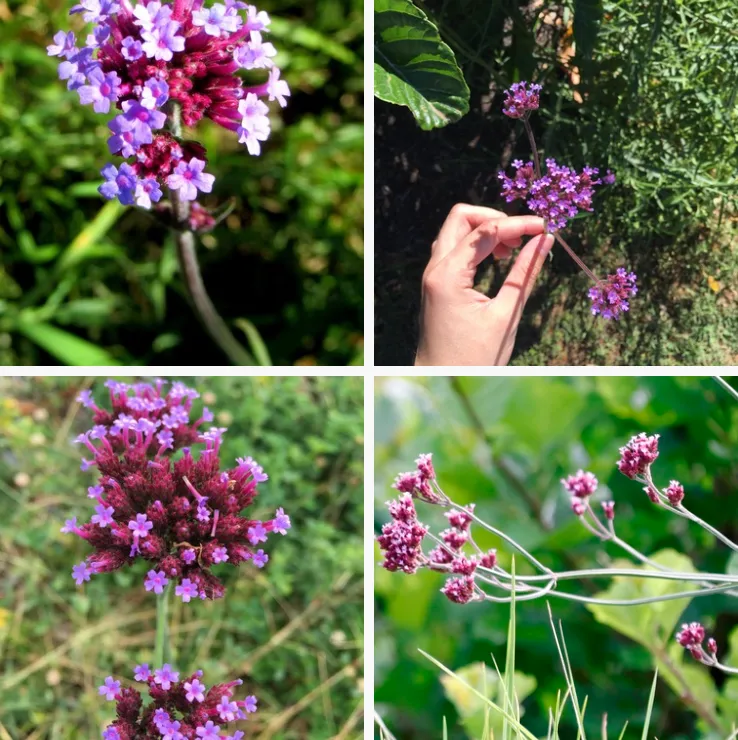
401,538
557,196
520,99
637,456
675,492
182,515
179,709
152,55
610,297
581,484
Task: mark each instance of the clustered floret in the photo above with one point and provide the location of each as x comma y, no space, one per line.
610,296
143,59
420,483
521,99
181,515
637,456
557,196
691,636
401,538
180,709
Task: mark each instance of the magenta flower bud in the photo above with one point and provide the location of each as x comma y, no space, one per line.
425,466
580,484
712,646
520,99
638,455
454,539
489,559
464,566
675,492
459,519
401,539
459,590
439,556
608,507
578,507
691,635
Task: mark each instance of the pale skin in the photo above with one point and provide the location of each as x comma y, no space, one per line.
459,325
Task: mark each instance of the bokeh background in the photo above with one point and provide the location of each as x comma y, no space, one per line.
645,87
292,631
86,283
505,443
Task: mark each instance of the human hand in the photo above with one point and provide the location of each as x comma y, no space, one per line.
459,325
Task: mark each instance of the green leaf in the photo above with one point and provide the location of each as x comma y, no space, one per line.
647,624
67,348
414,67
587,17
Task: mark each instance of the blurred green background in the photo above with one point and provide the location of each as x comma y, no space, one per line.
86,283
293,632
645,87
505,443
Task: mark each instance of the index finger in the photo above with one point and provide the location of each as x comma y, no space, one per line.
519,283
460,222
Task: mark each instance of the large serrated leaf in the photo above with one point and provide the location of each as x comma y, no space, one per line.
414,67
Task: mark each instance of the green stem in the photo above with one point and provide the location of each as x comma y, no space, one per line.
209,317
163,646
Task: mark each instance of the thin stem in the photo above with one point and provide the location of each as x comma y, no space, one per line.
682,511
190,267
726,668
569,575
162,646
576,259
533,147
733,392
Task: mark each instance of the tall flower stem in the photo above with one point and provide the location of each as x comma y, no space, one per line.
533,147
163,646
190,267
576,259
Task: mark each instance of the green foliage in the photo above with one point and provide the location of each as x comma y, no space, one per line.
645,88
293,632
288,259
414,67
505,443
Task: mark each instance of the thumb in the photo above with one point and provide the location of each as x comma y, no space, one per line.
519,283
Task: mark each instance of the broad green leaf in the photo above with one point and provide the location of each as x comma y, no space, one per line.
414,67
67,348
647,624
480,679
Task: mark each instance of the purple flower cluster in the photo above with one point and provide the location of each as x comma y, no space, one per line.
638,455
610,297
401,539
691,636
180,709
181,515
420,482
142,59
520,99
557,196
581,485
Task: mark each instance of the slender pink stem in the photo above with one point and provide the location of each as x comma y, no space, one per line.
576,259
533,147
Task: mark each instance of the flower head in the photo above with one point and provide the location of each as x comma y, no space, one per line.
147,505
610,297
179,710
188,178
401,538
459,590
638,455
581,484
520,99
675,493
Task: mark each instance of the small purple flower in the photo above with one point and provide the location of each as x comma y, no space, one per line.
95,492
257,20
260,559
81,572
186,590
69,525
104,515
95,11
165,676
227,710
111,733
215,20
257,534
521,99
161,41
249,704
209,732
120,183
98,37
281,521
155,581
86,399
143,119
98,432
142,672
277,89
255,126
247,465
77,67
188,178
161,716
220,555
609,178
109,689
141,526
175,418
63,45
255,54
152,14
154,94
610,296
195,690
189,556
132,49
166,439
147,190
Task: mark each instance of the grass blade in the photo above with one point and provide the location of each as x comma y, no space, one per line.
650,706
